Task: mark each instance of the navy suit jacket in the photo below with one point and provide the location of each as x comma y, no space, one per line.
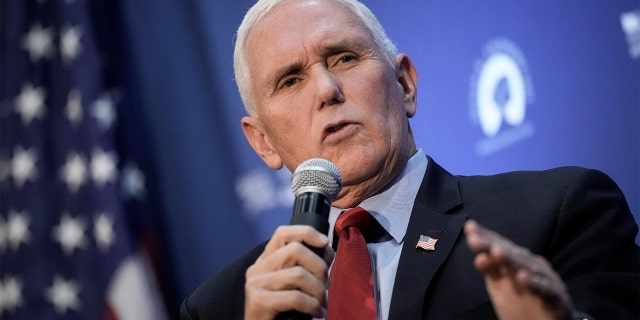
577,218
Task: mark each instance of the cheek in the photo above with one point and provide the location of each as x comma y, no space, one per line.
381,91
286,130
382,101
280,114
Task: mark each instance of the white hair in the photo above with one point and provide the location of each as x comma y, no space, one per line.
262,8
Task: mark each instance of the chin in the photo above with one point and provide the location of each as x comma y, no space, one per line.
368,178
355,172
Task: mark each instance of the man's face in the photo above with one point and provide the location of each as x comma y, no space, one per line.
323,89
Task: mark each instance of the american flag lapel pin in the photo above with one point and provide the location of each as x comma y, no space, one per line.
427,243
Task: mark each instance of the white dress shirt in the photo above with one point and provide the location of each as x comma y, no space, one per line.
392,209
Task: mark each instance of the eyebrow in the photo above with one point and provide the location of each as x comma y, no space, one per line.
288,69
344,45
297,66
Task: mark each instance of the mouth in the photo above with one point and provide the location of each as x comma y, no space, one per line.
334,131
336,128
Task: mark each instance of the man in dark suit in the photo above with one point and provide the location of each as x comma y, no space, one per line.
319,78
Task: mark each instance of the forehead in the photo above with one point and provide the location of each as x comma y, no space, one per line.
290,16
302,26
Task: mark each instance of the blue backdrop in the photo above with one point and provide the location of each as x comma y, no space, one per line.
503,85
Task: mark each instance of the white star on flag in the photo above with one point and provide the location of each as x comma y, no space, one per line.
103,111
17,229
10,293
70,233
23,166
70,43
63,295
103,167
39,42
74,171
103,231
133,181
73,109
30,103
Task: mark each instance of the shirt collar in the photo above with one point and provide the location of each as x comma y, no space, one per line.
392,207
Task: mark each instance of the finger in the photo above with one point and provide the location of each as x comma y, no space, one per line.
490,246
512,255
542,279
292,254
475,240
300,284
535,273
500,248
297,233
479,238
267,304
480,242
497,255
294,278
488,266
549,287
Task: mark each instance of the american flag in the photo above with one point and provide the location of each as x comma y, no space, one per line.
427,243
73,208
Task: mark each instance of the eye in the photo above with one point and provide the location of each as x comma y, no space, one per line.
289,82
347,58
343,60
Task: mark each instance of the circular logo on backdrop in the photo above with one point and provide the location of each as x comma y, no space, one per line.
501,90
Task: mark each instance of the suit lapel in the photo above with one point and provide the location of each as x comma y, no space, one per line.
438,194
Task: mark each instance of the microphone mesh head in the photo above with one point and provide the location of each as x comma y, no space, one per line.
317,175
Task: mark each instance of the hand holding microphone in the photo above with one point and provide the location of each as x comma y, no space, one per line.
287,276
315,183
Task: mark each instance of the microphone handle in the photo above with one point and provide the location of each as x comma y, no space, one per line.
311,209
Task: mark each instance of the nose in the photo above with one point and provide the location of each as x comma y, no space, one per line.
329,89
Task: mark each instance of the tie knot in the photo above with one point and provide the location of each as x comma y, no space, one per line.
356,217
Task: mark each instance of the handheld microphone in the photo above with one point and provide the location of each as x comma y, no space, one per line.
316,183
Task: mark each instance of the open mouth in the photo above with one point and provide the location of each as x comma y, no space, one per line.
336,128
337,131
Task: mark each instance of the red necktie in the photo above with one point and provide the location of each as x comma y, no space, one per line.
351,284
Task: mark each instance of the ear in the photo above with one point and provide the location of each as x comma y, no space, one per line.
255,134
408,79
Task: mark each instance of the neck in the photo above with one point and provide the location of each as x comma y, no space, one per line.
352,195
